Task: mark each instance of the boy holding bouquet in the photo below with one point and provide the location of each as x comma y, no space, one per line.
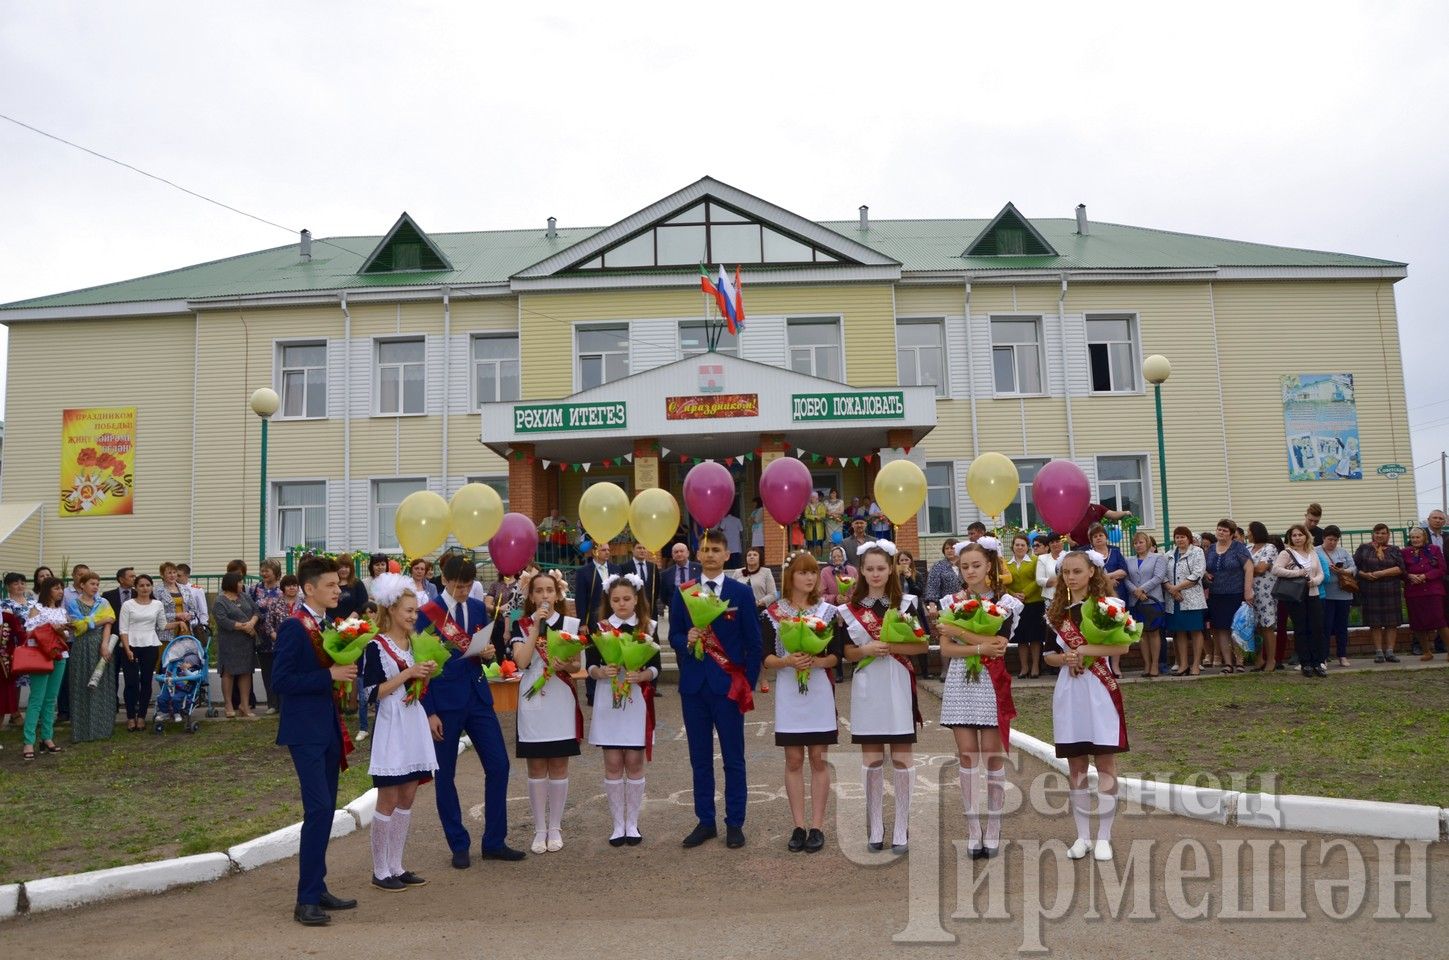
715,687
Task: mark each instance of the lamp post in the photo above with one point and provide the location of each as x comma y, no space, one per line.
1157,369
264,402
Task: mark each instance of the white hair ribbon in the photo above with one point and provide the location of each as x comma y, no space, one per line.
989,543
388,588
1098,560
886,546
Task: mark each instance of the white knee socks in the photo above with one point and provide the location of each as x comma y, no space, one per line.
538,804
875,804
1106,813
381,838
995,802
398,841
1082,812
633,802
558,794
968,800
614,790
905,780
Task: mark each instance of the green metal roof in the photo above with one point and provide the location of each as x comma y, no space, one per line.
493,256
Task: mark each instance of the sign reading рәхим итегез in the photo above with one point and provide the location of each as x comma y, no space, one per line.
545,417
861,405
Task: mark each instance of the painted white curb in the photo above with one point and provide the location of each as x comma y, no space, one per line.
56,893
363,808
1368,818
283,843
9,900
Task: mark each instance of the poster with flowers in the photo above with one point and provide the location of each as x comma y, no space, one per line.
97,461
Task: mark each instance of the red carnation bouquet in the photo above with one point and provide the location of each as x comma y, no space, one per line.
560,645
1106,622
897,628
804,634
976,616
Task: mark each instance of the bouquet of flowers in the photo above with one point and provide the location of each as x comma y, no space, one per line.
1105,621
980,617
804,634
704,608
637,654
897,627
843,585
345,641
427,646
560,645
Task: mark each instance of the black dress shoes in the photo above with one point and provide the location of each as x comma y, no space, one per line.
311,915
617,841
797,840
734,837
390,884
634,841
701,833
409,879
504,852
461,860
329,902
814,841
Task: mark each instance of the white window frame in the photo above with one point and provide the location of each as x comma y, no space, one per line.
372,505
1023,495
943,389
821,319
1149,510
488,479
279,379
473,363
578,354
1134,326
1036,320
700,325
923,516
274,532
377,365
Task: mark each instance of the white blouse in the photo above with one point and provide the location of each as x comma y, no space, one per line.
142,624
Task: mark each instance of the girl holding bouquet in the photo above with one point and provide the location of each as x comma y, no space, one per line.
550,724
804,702
976,703
623,724
1088,721
402,748
883,708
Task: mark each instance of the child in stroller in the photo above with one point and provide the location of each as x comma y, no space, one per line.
182,676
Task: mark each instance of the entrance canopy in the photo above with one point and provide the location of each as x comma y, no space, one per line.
712,405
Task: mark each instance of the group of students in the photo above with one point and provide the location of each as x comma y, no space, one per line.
418,731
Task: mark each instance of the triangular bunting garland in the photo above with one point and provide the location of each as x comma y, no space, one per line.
628,458
546,464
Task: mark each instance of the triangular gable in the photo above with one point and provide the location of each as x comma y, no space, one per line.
1009,234
405,248
698,209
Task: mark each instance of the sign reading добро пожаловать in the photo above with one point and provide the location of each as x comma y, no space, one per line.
862,405
544,417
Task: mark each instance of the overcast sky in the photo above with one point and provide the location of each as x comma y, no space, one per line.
1317,125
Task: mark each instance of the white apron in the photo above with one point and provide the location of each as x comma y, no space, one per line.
547,716
814,710
880,695
621,726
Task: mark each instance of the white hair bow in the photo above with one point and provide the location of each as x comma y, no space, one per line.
989,543
1098,560
388,588
633,579
889,548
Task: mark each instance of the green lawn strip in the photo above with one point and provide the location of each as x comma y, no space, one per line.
139,797
1367,736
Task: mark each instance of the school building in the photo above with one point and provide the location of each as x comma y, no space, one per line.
543,360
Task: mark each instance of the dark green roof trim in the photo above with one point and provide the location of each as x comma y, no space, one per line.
405,248
995,239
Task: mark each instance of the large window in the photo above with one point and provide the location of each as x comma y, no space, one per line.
499,485
1021,512
694,340
1112,354
300,519
921,354
1121,484
303,379
709,233
815,346
603,355
495,369
386,495
939,513
401,377
1016,358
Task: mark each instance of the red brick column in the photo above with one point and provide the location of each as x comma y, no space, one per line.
529,485
908,536
772,447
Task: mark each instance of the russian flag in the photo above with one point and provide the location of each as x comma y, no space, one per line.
728,296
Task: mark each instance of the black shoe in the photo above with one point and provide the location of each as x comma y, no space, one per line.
390,884
311,915
797,840
814,841
877,846
617,841
1390,658
329,902
1307,671
461,860
634,841
1414,648
977,853
504,852
899,848
701,833
988,852
410,879
734,837
1320,672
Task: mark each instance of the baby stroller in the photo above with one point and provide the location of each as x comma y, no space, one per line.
183,679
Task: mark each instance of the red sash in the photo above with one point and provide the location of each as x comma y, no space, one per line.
648,721
872,625
540,647
448,628
385,645
1072,634
739,691
314,632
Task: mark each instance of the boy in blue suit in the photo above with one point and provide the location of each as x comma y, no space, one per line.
715,691
311,728
458,701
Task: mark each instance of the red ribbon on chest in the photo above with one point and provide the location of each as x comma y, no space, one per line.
872,625
314,633
540,649
1072,635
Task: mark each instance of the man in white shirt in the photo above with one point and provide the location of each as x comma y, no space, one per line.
734,532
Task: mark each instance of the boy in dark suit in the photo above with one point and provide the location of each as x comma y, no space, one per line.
459,701
311,728
715,691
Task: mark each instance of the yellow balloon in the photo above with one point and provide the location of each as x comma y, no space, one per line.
603,510
422,522
900,489
992,483
476,511
654,518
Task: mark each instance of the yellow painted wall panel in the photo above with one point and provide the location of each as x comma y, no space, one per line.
935,300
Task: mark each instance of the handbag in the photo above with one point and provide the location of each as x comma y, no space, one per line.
1291,589
50,641
28,660
1347,582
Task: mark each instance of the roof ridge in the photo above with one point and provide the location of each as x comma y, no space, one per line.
1249,243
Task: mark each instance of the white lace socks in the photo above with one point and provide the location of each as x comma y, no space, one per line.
875,804
558,794
398,840
995,803
1106,813
633,802
381,837
1082,813
538,804
968,801
905,781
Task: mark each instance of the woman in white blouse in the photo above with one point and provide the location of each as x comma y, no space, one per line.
142,621
762,581
1188,612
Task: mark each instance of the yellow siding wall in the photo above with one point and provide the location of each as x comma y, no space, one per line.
937,300
22,549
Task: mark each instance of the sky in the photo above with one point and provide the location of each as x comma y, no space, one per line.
1321,125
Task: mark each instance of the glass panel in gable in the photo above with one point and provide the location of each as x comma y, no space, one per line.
782,249
679,245
735,243
719,213
694,214
638,252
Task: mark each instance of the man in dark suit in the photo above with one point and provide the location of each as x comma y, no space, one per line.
680,571
641,565
459,701
125,589
589,586
715,691
311,728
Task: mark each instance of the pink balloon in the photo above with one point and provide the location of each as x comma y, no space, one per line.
785,488
1061,494
513,546
709,490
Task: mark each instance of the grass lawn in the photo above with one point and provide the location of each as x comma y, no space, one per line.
139,797
1369,736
